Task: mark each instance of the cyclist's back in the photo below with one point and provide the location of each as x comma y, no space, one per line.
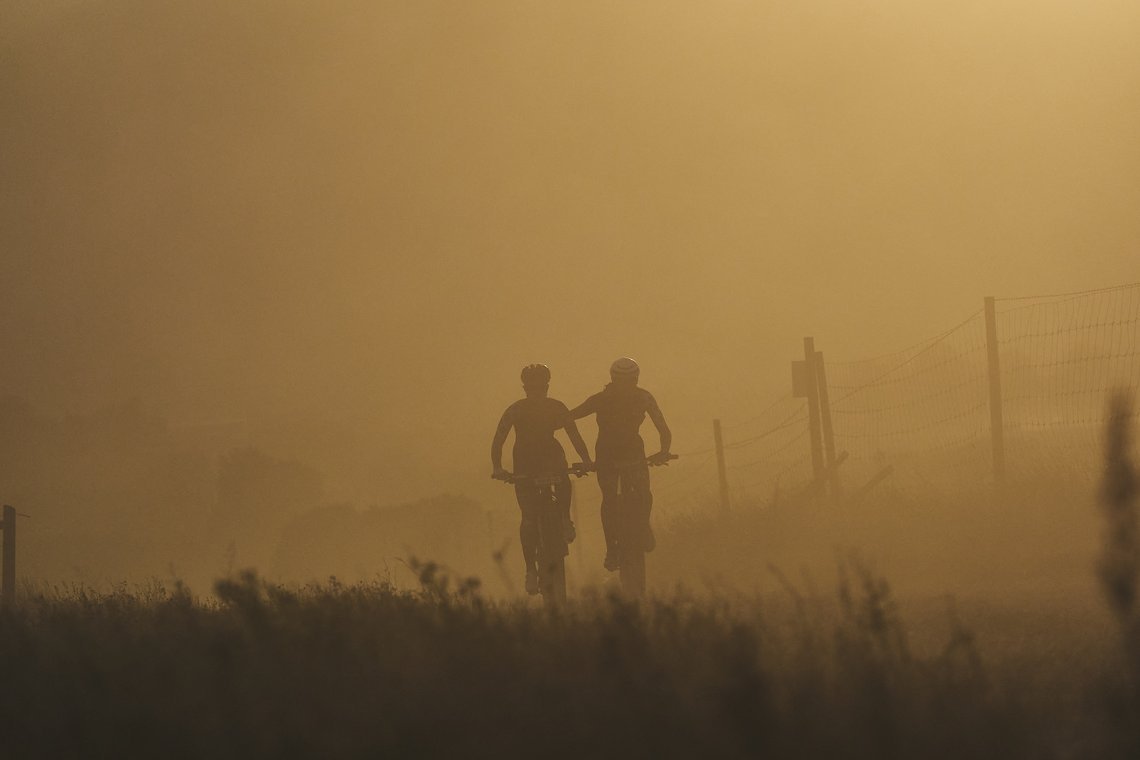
620,410
619,454
535,420
537,453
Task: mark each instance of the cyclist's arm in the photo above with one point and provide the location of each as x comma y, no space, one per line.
505,424
585,409
658,418
579,444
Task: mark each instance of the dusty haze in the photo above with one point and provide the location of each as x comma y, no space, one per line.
335,231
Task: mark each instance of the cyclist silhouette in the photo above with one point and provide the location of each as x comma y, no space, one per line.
620,452
537,453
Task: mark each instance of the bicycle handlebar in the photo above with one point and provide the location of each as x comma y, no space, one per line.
578,470
651,461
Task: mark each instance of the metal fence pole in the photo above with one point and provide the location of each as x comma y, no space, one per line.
721,471
997,431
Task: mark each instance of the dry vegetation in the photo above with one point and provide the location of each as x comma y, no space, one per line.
783,670
370,670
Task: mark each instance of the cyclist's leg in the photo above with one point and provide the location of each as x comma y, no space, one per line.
528,534
642,504
562,493
608,483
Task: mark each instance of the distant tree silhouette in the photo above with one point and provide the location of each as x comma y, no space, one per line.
257,495
359,545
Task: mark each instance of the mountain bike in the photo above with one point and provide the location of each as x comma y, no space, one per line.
553,547
634,537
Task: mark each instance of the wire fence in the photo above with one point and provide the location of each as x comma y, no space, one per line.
927,406
1061,356
924,410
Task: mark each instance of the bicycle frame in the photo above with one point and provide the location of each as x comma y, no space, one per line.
552,545
633,526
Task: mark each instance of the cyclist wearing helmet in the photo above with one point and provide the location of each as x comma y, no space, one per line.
536,452
621,407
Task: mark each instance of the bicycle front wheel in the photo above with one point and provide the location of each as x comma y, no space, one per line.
633,569
552,551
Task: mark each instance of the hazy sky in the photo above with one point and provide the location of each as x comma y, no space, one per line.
374,213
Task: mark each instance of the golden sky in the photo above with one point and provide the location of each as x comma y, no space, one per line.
376,212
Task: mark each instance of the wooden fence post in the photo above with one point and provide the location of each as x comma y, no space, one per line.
721,470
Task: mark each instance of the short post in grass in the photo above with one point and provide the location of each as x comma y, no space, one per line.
9,572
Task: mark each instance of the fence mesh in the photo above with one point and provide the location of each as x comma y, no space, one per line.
923,411
1060,357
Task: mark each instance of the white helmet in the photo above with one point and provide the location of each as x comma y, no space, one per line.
624,368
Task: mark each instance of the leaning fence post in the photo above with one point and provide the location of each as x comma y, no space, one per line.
828,431
9,590
997,432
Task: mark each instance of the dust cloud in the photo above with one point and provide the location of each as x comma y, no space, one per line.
266,258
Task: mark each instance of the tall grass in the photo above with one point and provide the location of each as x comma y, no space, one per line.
366,670
1119,571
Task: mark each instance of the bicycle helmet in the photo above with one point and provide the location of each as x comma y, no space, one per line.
624,368
535,375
